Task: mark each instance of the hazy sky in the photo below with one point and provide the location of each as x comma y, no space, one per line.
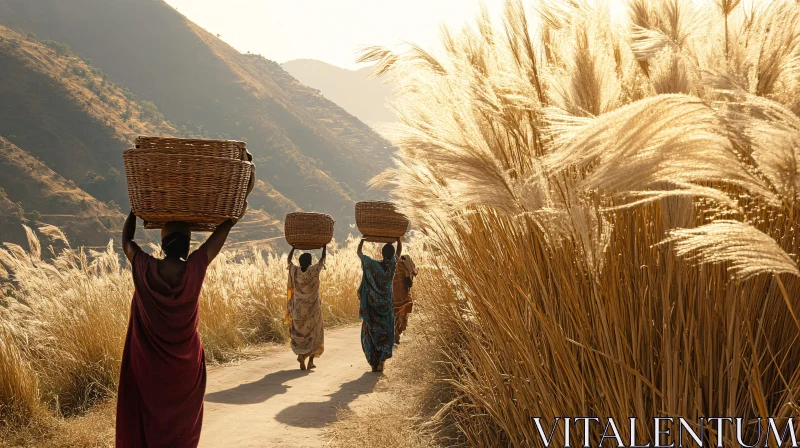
328,30
333,30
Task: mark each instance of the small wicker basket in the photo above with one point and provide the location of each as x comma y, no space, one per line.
178,181
380,222
308,231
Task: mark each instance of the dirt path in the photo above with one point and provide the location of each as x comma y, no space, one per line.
270,402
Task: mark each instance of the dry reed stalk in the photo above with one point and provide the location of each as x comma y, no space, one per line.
19,395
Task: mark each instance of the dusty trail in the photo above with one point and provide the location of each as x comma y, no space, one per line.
270,402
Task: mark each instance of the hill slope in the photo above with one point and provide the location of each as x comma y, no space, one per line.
63,127
34,194
352,89
314,154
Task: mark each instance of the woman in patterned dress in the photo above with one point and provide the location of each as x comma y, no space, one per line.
375,294
305,310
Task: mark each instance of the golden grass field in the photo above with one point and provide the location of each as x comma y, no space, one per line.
63,318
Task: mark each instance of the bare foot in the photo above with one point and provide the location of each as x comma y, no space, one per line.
311,363
380,367
302,360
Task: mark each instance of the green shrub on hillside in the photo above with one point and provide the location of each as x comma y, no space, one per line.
78,71
113,206
60,48
33,217
101,186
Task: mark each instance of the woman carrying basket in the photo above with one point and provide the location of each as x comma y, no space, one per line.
163,376
403,300
375,294
304,311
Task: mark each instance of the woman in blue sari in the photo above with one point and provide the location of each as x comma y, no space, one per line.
376,310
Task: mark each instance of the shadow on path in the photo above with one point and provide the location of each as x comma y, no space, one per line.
322,413
257,391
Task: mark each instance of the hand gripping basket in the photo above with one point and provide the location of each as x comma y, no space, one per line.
307,231
201,182
379,222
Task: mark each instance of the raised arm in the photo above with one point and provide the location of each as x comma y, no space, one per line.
360,250
399,247
214,243
290,257
129,246
324,254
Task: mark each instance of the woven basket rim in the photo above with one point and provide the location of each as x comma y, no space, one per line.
180,139
309,214
377,202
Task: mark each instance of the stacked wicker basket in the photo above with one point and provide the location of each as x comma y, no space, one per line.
201,182
307,231
380,222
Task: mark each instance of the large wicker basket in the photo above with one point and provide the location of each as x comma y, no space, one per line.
177,181
379,221
307,231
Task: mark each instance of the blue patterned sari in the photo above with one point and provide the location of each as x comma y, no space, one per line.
376,311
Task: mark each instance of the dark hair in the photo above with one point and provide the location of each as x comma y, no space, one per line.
305,261
176,245
388,252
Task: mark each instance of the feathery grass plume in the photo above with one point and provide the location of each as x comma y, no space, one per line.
54,233
748,250
763,132
647,43
521,45
382,58
765,50
33,243
727,7
664,42
666,139
590,67
558,14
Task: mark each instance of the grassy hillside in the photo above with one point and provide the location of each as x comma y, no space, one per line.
315,155
35,195
63,127
352,89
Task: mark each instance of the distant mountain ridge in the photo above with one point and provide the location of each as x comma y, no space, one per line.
353,90
176,79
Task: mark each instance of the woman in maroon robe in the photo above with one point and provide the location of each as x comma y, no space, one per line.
163,376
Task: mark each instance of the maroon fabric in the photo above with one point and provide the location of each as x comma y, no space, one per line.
163,376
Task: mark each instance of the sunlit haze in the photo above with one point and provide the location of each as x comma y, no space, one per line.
328,31
324,30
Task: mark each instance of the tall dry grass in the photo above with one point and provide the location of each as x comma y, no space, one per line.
612,209
63,318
